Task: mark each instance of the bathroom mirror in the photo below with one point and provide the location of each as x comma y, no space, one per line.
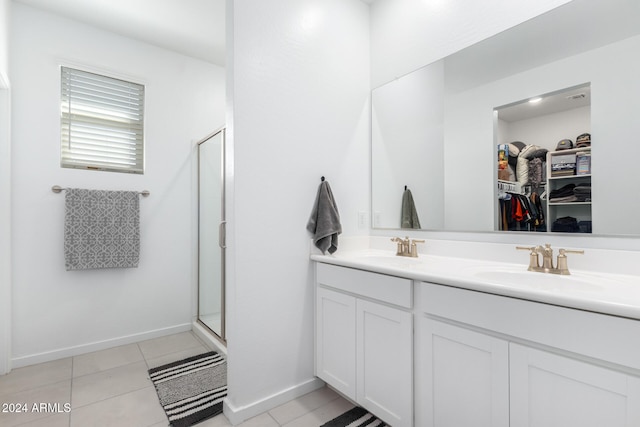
436,130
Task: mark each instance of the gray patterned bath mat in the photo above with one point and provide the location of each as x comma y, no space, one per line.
191,390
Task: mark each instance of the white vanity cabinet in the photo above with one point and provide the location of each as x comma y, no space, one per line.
335,340
465,377
489,360
552,390
364,339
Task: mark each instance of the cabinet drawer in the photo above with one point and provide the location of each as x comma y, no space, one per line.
600,336
389,289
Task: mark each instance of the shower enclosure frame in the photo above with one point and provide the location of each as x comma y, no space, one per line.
220,335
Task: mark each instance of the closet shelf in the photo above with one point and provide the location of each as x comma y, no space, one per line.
580,211
568,203
569,177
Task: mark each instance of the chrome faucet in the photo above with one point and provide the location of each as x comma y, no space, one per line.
547,259
407,247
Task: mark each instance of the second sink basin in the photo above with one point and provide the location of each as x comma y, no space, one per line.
543,281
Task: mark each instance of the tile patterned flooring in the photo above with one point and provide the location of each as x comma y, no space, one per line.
112,388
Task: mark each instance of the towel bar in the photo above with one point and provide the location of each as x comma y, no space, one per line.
57,189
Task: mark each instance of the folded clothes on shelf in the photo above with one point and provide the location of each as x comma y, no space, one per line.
571,193
583,192
566,224
565,199
585,226
561,193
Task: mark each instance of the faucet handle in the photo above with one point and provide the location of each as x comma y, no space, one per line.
527,248
399,241
570,251
534,261
414,247
562,266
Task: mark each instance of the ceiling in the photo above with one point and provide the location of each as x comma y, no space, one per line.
568,99
192,27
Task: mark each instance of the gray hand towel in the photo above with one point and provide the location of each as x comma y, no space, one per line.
409,214
324,222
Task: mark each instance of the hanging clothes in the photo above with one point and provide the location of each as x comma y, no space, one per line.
538,223
521,213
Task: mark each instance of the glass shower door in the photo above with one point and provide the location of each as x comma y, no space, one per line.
211,233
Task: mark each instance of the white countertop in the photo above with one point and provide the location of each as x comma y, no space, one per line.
613,294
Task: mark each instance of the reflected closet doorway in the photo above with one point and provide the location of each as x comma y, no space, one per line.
211,234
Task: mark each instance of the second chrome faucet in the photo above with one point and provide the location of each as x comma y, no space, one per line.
547,266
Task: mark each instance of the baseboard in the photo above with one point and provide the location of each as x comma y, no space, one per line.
237,415
206,336
48,356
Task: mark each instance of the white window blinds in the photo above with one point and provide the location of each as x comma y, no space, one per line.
101,122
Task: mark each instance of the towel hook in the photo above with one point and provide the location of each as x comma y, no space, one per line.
405,188
322,178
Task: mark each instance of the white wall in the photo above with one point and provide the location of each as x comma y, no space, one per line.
408,34
5,190
55,312
5,12
300,100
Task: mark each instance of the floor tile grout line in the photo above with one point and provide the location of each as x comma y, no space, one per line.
39,385
175,352
118,395
274,419
38,419
146,362
109,369
336,397
34,388
106,370
172,352
113,397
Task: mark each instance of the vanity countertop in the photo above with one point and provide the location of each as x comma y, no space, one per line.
613,294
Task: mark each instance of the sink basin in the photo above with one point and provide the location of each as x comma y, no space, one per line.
543,281
389,260
428,263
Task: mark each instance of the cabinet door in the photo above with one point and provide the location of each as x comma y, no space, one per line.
548,390
336,340
464,377
385,362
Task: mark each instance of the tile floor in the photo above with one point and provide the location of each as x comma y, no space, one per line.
112,388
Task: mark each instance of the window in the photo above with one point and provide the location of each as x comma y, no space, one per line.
101,122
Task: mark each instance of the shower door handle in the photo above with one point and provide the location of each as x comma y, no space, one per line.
222,235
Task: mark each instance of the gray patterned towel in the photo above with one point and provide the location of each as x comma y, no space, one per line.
101,229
